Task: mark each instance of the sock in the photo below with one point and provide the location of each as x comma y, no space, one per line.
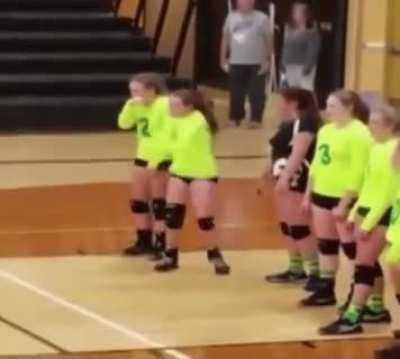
313,265
376,303
352,313
145,237
398,297
160,241
296,263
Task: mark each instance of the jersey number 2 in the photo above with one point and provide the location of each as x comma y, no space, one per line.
143,126
325,154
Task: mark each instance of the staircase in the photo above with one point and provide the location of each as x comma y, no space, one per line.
65,64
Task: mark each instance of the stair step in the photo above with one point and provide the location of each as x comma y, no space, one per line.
62,21
83,5
92,62
73,41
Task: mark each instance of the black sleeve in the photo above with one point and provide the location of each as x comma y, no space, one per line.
309,124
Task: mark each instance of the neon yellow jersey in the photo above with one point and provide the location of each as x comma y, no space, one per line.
380,186
340,158
192,152
153,128
392,255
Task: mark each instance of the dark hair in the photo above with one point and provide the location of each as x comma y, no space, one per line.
150,80
351,99
306,102
199,102
390,353
308,14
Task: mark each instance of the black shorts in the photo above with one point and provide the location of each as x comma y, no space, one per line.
189,180
384,221
298,182
325,202
163,166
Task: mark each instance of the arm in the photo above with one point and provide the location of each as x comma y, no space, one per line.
224,48
269,47
127,117
313,49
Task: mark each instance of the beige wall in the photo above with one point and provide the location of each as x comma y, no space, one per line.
170,34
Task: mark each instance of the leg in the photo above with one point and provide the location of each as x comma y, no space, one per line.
237,81
257,96
365,275
140,194
174,220
159,182
285,206
325,230
203,194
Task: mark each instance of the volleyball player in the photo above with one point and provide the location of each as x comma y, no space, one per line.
293,148
336,177
148,111
371,216
193,175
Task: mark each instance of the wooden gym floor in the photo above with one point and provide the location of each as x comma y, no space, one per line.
67,293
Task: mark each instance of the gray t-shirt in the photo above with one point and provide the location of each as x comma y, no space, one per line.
247,34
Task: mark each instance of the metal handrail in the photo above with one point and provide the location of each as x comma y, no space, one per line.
160,24
140,12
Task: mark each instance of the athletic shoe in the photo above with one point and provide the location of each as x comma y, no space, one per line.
169,261
371,317
287,277
158,249
319,298
313,284
139,248
342,326
215,257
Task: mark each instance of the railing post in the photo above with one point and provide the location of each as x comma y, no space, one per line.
160,24
182,35
139,12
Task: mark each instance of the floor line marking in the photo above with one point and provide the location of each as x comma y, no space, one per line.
92,315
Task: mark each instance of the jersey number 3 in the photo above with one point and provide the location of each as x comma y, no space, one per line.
143,127
325,154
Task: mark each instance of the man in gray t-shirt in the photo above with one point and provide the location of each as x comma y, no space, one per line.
247,39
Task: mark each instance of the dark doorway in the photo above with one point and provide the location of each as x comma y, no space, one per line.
331,16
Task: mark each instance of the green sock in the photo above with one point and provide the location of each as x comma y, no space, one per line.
313,265
376,303
327,274
352,313
296,263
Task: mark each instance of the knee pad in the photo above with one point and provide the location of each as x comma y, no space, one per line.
378,270
364,275
175,216
206,223
299,232
350,250
285,229
159,206
329,247
139,207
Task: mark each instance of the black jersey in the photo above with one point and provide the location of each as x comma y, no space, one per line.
281,144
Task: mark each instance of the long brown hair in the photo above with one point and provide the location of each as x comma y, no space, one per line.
150,80
201,103
350,99
306,103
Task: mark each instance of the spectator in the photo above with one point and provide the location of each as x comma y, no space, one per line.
248,41
301,48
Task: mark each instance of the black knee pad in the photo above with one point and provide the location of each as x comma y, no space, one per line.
350,250
206,223
364,275
285,229
378,270
159,206
175,216
299,232
329,247
139,207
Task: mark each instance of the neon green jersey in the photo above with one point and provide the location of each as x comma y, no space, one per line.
380,186
192,152
153,127
340,158
393,233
